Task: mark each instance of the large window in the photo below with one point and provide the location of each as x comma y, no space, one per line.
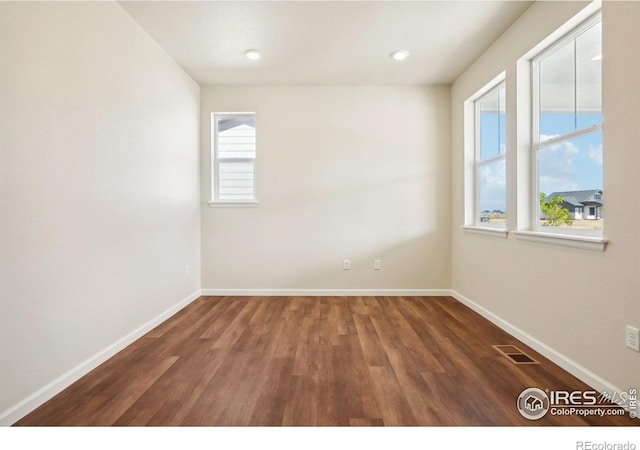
490,182
568,193
233,158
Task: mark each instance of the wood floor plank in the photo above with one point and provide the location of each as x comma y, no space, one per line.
345,323
185,317
301,407
416,391
270,405
168,387
359,422
354,379
218,393
394,325
314,361
330,412
394,405
216,327
188,384
287,344
370,341
357,306
104,410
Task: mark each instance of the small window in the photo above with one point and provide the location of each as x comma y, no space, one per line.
233,158
567,132
490,162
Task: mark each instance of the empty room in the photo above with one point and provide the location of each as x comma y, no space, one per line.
319,213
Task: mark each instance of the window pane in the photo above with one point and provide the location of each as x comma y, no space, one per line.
491,109
557,99
237,137
589,76
492,193
573,171
235,181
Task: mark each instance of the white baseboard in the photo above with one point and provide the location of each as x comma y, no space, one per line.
327,292
575,369
24,407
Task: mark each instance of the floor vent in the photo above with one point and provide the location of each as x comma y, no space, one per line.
515,355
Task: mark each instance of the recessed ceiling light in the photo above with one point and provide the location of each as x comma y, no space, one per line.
253,54
400,55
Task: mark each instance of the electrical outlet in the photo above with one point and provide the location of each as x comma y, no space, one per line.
377,265
346,264
633,338
186,269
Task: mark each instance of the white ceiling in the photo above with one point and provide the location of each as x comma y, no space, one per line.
325,42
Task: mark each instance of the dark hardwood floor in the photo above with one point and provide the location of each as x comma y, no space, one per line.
360,361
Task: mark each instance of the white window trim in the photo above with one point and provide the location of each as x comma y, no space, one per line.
577,238
233,204
215,201
487,231
472,153
563,240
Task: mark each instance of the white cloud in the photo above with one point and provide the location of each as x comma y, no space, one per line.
595,154
556,168
493,186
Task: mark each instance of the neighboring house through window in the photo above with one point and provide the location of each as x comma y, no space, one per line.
581,205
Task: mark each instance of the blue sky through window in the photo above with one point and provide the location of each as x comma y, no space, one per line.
572,165
492,135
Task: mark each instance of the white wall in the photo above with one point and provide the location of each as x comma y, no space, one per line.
575,301
99,186
357,173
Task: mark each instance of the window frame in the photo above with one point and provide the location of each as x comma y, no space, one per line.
472,211
537,144
477,162
215,162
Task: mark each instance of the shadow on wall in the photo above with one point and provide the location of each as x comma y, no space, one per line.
290,241
402,266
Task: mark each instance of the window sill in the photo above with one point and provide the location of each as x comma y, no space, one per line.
564,240
245,204
487,231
